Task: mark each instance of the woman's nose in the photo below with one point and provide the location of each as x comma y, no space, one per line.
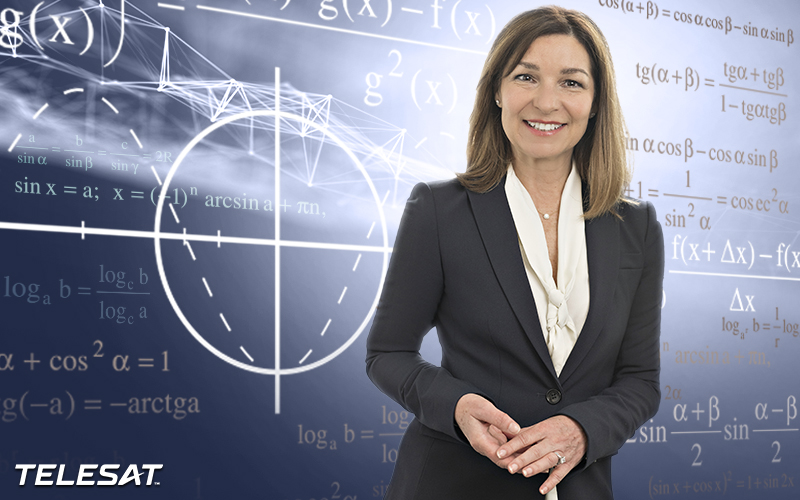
546,99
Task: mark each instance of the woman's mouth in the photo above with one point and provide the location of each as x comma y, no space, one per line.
544,127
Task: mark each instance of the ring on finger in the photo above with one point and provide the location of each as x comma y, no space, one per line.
561,458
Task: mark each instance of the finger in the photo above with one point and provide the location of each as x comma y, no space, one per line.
555,477
487,412
503,464
472,406
533,461
481,439
524,439
484,438
549,461
498,435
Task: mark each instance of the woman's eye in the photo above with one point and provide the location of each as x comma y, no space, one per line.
525,78
573,83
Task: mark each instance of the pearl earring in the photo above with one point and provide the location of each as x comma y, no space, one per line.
592,115
497,101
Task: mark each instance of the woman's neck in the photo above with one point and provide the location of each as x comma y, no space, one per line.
543,181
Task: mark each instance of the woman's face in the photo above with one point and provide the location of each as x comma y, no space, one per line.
546,101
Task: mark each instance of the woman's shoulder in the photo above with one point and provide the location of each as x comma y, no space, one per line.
446,198
446,190
637,210
638,217
443,187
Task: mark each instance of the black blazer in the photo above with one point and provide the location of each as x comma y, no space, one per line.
457,266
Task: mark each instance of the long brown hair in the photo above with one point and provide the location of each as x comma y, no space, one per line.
599,156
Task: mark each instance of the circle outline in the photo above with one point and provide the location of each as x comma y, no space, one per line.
160,264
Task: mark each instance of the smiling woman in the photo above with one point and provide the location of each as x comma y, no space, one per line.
546,102
543,283
599,158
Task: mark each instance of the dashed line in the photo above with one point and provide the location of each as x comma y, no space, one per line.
358,259
229,328
156,174
70,91
370,229
385,197
15,142
137,139
174,214
175,7
326,328
246,354
306,356
412,11
110,105
46,105
208,288
342,295
189,246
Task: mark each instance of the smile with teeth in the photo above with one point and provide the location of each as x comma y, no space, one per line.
544,127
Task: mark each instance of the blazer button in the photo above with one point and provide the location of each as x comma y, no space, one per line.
553,396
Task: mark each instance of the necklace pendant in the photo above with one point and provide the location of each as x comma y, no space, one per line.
546,216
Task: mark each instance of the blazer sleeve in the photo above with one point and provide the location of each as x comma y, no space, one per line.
406,312
613,416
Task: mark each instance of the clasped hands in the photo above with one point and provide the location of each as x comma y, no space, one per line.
528,451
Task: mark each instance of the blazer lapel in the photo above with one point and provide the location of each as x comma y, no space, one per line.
499,236
602,250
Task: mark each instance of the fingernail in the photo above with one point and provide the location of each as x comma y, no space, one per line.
501,453
512,468
527,472
543,490
513,428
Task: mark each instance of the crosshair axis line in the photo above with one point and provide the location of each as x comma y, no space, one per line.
98,231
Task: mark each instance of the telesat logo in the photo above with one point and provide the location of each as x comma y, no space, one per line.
86,474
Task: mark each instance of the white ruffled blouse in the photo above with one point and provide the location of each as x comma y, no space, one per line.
562,309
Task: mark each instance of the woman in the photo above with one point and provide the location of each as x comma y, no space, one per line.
544,285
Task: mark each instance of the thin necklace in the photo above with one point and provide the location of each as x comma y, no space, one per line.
546,216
